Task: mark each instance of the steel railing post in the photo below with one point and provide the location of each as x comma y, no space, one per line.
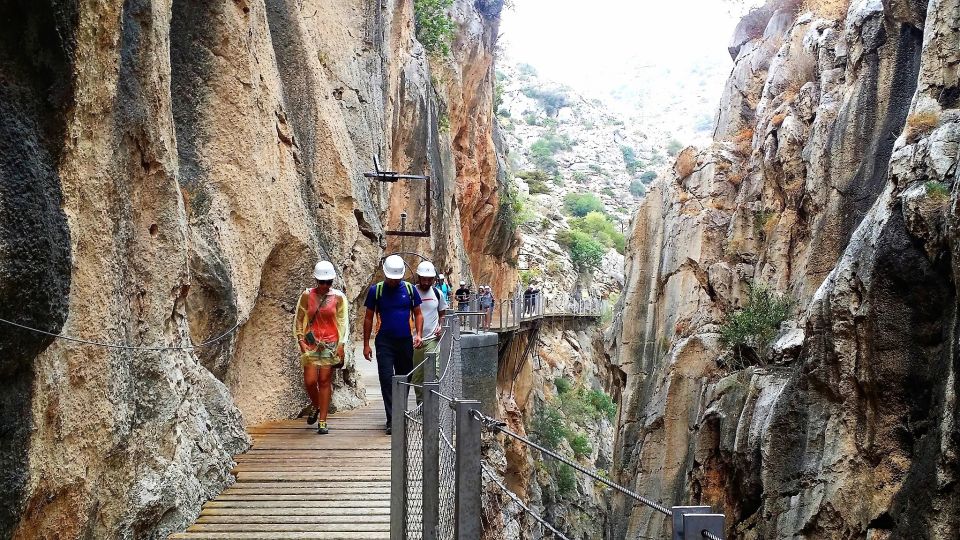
445,342
467,513
398,458
677,518
431,459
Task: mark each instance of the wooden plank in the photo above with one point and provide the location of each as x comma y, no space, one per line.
332,496
352,503
295,484
318,487
293,519
289,527
294,511
334,535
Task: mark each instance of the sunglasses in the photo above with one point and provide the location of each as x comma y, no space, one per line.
325,281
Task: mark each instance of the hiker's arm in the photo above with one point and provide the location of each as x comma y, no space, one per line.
367,328
299,318
442,313
418,321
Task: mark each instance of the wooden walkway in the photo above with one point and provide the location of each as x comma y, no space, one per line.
296,484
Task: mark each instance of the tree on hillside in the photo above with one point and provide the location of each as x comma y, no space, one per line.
581,204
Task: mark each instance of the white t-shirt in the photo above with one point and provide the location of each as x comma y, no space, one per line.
431,308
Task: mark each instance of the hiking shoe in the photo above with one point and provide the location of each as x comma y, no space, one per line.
322,428
313,415
387,430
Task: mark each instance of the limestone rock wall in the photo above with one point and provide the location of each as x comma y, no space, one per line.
832,181
170,170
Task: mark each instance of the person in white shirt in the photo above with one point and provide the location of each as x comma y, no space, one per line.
433,308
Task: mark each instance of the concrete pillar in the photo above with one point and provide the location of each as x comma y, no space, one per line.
478,357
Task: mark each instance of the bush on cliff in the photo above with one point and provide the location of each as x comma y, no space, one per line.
581,204
585,251
750,330
434,26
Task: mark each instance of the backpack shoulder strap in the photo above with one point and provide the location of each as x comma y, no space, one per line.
413,302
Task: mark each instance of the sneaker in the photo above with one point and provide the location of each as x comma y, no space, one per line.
322,428
313,415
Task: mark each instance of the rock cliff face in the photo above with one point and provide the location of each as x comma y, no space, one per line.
832,181
171,170
544,393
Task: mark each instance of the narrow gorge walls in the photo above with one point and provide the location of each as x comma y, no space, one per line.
831,181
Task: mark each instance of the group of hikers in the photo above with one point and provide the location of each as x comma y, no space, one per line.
410,323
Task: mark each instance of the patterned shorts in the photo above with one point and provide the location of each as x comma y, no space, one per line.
325,355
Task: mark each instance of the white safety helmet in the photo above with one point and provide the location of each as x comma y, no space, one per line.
440,276
324,271
394,267
463,283
426,269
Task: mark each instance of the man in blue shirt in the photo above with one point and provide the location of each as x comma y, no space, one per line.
393,301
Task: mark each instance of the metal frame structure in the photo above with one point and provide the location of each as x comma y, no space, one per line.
391,176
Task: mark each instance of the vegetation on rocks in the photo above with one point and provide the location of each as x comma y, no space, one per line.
936,190
585,251
751,329
581,204
434,27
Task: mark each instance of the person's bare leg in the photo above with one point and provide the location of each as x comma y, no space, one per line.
324,391
310,377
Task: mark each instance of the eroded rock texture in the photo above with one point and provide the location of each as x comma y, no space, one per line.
832,180
172,169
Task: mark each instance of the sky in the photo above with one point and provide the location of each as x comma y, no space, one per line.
588,45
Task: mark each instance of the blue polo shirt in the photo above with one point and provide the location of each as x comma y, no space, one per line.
394,309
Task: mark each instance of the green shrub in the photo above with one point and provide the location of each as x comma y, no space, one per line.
648,176
530,118
936,190
434,27
750,330
566,480
526,276
674,147
513,208
600,228
548,426
581,204
637,189
527,70
580,445
630,159
543,149
585,251
551,100
578,177
602,403
563,385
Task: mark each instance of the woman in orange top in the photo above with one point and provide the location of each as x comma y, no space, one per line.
321,328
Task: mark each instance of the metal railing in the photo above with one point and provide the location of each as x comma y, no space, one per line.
437,467
476,314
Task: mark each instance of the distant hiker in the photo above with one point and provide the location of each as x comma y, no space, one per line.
463,297
321,327
444,287
528,300
434,308
393,301
486,305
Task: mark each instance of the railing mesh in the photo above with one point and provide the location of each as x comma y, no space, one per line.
413,520
451,385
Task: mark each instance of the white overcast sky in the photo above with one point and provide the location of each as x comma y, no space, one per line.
587,44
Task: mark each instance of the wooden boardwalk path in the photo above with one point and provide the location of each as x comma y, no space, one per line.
296,484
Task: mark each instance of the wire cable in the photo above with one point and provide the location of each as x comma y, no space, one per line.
517,500
496,425
123,347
